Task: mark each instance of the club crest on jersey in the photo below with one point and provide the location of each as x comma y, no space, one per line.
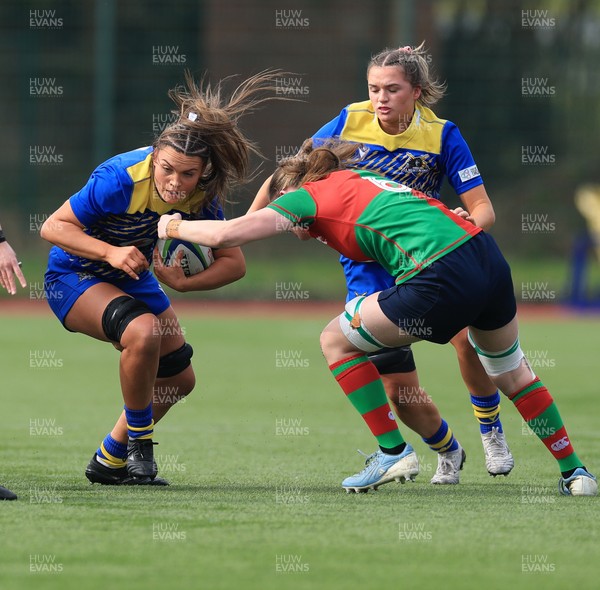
416,165
362,152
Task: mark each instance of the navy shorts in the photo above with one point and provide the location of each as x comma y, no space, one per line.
470,286
62,290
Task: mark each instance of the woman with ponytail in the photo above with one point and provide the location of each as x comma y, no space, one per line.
98,280
459,280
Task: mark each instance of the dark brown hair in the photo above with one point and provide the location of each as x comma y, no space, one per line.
207,127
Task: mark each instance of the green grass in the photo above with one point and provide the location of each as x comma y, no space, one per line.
245,495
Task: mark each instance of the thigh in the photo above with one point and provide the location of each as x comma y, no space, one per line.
63,289
386,331
497,340
172,335
426,307
85,315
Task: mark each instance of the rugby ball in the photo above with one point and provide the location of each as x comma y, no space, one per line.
195,259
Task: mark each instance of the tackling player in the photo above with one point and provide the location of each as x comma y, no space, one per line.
402,138
460,280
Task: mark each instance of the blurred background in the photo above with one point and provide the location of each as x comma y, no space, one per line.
84,80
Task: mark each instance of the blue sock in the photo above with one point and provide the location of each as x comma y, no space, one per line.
111,452
443,440
487,412
139,422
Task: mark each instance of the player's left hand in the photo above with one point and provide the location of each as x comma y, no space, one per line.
162,224
463,214
172,276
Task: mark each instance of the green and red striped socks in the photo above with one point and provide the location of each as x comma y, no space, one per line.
360,381
538,409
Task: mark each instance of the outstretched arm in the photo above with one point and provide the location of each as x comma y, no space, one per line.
225,234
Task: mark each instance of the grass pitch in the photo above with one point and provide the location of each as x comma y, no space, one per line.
255,457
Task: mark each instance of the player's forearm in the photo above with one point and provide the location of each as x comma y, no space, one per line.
225,234
479,206
73,239
206,232
484,216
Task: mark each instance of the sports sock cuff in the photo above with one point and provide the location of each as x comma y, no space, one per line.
139,418
443,440
139,422
486,401
115,449
439,435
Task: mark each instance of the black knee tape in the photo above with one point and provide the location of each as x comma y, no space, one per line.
119,313
393,360
173,363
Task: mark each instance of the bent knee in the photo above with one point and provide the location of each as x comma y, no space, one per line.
325,340
142,334
461,343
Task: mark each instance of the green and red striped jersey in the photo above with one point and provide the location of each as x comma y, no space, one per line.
367,217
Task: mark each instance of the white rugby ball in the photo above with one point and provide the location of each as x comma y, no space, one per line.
195,259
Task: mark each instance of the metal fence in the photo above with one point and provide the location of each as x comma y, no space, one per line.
83,80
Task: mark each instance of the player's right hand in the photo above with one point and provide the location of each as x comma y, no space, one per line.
128,259
9,269
164,221
464,214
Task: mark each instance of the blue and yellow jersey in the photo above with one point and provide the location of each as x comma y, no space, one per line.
420,157
120,205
